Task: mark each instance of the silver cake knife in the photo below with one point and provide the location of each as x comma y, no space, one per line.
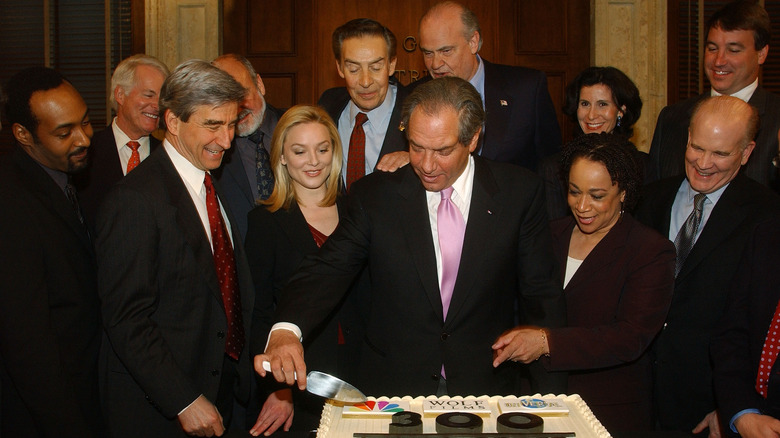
328,386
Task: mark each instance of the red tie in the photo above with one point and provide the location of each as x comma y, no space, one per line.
769,353
356,158
135,157
225,263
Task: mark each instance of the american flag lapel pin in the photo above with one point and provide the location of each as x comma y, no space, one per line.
503,102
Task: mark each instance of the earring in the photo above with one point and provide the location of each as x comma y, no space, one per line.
618,120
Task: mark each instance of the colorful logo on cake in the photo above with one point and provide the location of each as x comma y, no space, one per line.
377,406
533,403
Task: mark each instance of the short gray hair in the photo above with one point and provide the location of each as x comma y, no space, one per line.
452,92
124,74
194,83
241,60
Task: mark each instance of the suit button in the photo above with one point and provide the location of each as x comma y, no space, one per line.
444,336
220,334
434,376
215,372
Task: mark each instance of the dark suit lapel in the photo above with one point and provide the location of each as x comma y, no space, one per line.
291,224
233,168
727,215
51,196
189,221
610,248
417,231
394,136
483,215
497,109
758,100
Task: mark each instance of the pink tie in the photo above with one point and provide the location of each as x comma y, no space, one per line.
451,227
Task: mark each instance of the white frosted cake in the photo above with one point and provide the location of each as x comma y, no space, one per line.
562,413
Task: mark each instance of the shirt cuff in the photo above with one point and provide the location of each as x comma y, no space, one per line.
284,326
188,406
739,414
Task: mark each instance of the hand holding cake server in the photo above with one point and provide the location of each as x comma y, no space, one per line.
414,344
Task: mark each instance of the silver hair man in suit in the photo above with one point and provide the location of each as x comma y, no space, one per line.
174,284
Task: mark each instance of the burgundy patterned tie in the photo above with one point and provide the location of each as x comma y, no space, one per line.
356,157
769,353
135,157
225,262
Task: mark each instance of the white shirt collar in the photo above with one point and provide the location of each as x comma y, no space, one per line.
745,94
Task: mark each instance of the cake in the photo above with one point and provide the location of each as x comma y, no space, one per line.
562,413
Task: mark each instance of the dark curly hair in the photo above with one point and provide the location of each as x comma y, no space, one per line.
616,153
624,91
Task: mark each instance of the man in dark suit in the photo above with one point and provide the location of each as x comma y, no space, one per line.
365,58
741,346
245,176
175,288
49,309
127,141
737,44
415,342
728,205
520,125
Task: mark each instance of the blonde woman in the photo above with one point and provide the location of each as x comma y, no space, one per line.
294,221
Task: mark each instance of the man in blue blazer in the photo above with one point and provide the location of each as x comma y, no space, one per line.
520,122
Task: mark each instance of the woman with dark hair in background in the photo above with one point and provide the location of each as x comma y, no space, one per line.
599,99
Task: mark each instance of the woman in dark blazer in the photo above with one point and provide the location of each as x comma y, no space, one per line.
295,221
618,278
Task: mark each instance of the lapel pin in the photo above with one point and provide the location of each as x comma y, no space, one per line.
490,212
503,102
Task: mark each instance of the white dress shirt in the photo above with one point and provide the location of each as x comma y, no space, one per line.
124,150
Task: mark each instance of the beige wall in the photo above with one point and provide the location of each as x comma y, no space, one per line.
627,34
631,35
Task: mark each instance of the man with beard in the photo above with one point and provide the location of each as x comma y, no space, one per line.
49,309
127,141
246,176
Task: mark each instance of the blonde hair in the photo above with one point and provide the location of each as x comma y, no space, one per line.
284,191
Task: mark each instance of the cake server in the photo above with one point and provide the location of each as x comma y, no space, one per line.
325,385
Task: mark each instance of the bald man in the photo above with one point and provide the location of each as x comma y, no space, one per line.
720,142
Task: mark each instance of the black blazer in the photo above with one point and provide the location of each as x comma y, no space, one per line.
103,172
683,373
276,244
616,303
161,302
739,340
335,100
667,151
49,309
506,257
236,190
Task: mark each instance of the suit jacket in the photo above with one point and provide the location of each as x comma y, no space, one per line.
667,151
236,191
161,302
103,172
276,245
738,342
335,100
683,373
49,309
616,303
506,258
520,122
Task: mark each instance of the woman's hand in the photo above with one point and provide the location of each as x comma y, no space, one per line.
525,344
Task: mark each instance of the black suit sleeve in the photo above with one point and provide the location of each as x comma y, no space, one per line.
30,351
128,287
